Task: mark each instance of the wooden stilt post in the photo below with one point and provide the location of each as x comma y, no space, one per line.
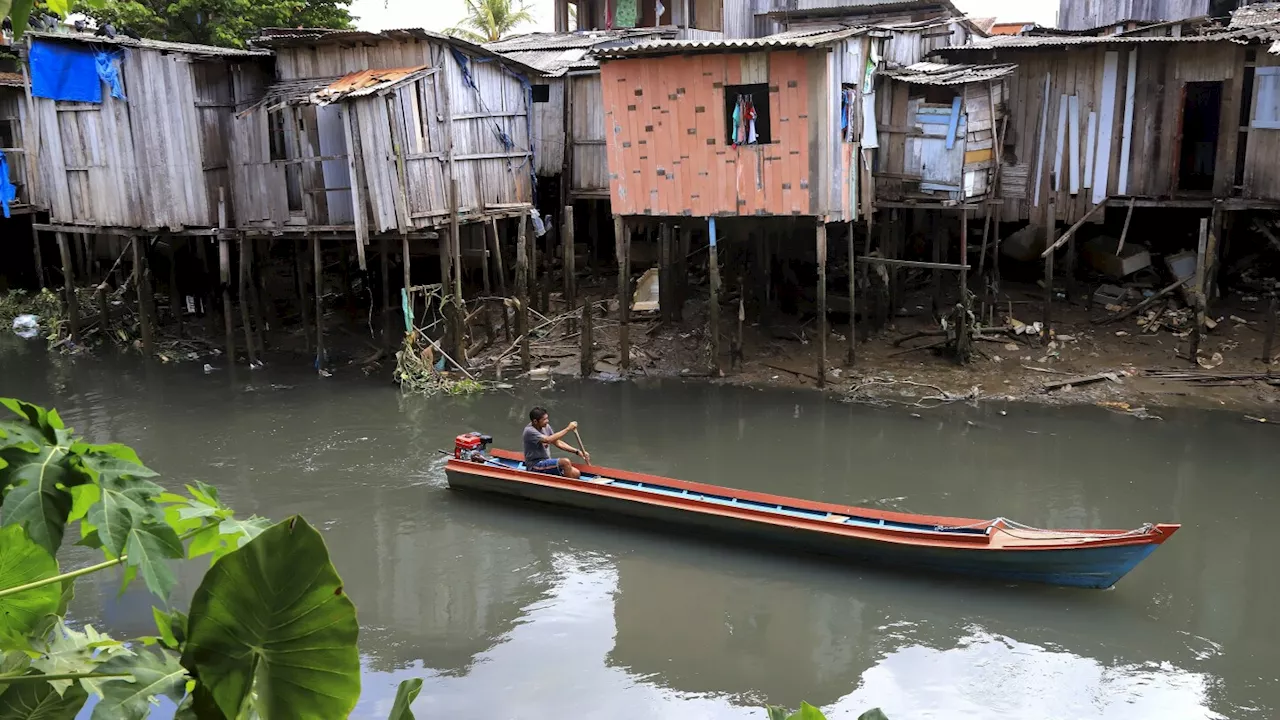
35,243
963,339
459,307
588,320
264,313
823,330
491,230
1071,267
224,282
69,287
246,299
104,308
485,282
522,291
206,297
569,262
853,286
713,303
1216,228
406,267
1271,329
622,232
1050,233
664,272
933,234
1202,264
384,261
175,297
531,263
142,281
317,274
300,280
682,269
348,296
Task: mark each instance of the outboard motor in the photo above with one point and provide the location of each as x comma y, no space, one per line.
471,446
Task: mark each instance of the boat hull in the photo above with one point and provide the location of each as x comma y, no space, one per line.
1092,566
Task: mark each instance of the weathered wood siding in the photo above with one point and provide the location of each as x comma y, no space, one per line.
667,139
590,157
490,150
549,128
155,160
1090,14
1160,76
1262,149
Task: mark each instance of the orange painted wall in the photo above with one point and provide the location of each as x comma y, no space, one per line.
666,136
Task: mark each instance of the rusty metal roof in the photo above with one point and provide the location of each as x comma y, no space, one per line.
555,54
927,73
1244,36
311,37
367,82
10,79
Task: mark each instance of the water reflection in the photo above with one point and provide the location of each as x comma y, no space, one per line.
512,610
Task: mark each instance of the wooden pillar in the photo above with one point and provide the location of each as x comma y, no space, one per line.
348,296
206,297
104,308
259,307
963,339
69,287
713,303
682,269
459,307
1203,251
485,283
853,286
300,281
175,297
622,234
531,261
491,230
823,331
224,282
317,275
933,232
142,281
1071,267
522,292
407,269
570,261
35,242
1271,330
588,321
384,261
664,272
1216,229
1050,235
245,267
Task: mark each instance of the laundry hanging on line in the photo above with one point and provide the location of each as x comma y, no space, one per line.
744,122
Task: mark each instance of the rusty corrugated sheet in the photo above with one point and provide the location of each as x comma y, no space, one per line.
11,79
927,73
366,82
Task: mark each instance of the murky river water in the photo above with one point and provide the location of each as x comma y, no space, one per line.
518,611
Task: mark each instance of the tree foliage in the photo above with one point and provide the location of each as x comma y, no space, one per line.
491,20
229,23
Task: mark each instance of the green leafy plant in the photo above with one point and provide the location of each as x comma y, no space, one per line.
809,712
270,632
491,20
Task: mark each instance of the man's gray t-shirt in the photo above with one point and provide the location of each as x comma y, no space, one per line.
534,449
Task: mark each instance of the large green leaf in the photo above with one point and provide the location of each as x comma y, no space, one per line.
22,562
807,712
40,701
68,650
154,674
150,547
38,469
405,695
125,504
272,617
873,714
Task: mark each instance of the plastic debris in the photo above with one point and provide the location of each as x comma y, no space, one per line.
26,326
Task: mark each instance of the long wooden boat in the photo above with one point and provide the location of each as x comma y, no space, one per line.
998,549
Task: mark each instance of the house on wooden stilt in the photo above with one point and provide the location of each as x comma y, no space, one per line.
405,136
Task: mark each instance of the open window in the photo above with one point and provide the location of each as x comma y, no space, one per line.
541,92
747,115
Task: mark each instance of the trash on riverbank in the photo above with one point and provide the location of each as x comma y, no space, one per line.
419,371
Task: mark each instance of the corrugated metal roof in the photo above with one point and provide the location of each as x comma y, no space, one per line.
555,54
1263,13
366,82
1247,35
806,38
770,7
927,73
9,79
310,37
159,45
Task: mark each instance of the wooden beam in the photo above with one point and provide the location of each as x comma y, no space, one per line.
1072,230
459,307
713,304
823,331
522,292
317,269
569,261
853,287
623,242
35,242
69,287
909,263
246,264
224,280
1124,232
357,195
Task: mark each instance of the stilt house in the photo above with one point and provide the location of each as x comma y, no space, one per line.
15,187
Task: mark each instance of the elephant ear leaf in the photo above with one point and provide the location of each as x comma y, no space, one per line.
33,700
405,695
152,675
873,714
271,619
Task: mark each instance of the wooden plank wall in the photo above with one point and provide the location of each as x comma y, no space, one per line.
1090,14
1162,71
215,107
1261,169
668,152
13,105
549,128
258,184
590,161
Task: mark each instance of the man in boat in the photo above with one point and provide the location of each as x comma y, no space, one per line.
538,439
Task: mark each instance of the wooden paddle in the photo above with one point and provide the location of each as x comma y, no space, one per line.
581,448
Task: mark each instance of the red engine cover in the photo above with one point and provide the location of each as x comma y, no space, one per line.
468,441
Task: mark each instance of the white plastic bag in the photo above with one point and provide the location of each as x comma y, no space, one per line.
26,326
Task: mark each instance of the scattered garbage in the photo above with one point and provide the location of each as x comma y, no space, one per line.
26,326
